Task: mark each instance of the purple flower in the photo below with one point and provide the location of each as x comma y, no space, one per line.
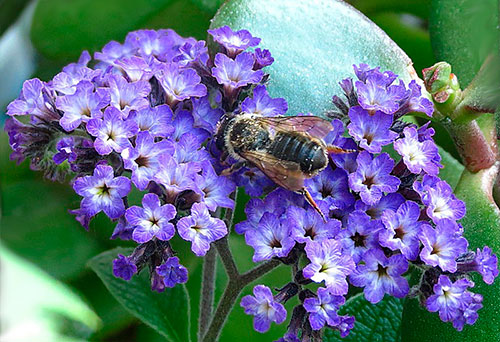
346,161
136,68
442,204
184,124
123,267
330,264
113,51
156,120
82,105
102,191
201,229
151,43
270,238
143,159
190,53
360,235
175,177
262,104
263,306
418,156
377,95
452,299
66,81
173,272
127,96
254,210
253,181
402,229
387,202
467,313
180,84
323,309
415,102
189,149
204,115
152,220
380,275
237,73
307,226
233,42
123,229
486,264
427,182
263,58
372,178
371,130
31,101
65,151
111,132
345,326
215,190
332,187
442,245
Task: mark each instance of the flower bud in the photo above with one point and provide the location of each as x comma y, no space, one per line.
440,82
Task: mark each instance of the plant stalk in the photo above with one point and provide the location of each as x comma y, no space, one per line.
207,291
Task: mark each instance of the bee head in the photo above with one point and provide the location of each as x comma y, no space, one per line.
222,127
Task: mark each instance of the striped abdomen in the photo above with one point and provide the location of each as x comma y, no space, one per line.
308,153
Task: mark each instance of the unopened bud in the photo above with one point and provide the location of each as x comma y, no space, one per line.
440,82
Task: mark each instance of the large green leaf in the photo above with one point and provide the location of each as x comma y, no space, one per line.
464,33
481,228
166,312
374,322
314,43
35,306
62,29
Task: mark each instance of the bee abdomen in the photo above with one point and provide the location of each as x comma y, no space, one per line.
307,153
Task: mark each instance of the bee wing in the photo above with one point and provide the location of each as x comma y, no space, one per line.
312,125
284,173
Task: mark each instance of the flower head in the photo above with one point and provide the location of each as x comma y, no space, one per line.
233,42
323,309
262,104
123,267
263,306
180,84
237,73
172,272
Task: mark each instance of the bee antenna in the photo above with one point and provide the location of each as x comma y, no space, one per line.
313,204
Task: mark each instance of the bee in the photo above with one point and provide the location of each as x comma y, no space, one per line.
287,149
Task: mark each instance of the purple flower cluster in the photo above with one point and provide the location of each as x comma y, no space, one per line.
141,116
142,120
382,214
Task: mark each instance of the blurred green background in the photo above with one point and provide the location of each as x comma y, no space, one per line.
44,250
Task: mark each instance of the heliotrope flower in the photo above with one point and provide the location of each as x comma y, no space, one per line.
204,115
65,151
215,190
237,73
372,177
102,192
127,96
152,220
233,42
263,306
189,150
418,156
180,84
201,229
402,229
174,177
372,131
263,58
331,186
111,132
155,120
486,264
136,68
31,101
84,104
172,272
271,238
442,245
442,204
329,264
263,104
323,309
388,202
376,93
143,159
190,53
360,235
253,181
184,124
380,275
308,226
415,102
123,267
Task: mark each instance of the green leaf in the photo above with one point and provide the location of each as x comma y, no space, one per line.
374,322
315,44
481,228
34,305
418,8
464,33
166,312
62,29
452,168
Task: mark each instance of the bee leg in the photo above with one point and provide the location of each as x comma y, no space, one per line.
338,150
311,201
234,168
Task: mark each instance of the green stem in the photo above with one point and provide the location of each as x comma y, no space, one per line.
207,291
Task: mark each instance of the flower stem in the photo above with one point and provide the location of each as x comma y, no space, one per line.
207,291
